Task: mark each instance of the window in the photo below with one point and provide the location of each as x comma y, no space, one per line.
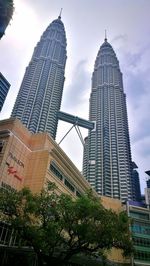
7,187
144,216
56,171
69,185
78,194
1,145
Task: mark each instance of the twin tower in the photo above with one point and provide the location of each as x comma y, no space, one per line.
107,156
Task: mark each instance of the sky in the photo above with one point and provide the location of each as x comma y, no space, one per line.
85,21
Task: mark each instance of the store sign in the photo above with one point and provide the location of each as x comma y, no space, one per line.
12,171
16,160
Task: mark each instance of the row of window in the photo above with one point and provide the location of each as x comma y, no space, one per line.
141,255
141,229
7,187
57,172
141,241
144,216
6,235
10,237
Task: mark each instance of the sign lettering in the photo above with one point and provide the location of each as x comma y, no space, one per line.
15,159
12,171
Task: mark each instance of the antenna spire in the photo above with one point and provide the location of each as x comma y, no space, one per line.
105,36
60,14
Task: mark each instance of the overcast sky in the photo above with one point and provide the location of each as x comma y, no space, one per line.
127,24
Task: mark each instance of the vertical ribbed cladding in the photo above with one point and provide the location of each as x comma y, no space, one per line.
108,160
108,65
40,94
55,32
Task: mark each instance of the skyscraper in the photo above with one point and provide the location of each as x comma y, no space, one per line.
40,94
107,157
4,88
136,190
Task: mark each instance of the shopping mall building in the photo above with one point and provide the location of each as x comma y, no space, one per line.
32,160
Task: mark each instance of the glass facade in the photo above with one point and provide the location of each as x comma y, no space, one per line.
4,88
140,229
136,190
40,94
107,156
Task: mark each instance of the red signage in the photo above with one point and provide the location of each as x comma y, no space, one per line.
12,171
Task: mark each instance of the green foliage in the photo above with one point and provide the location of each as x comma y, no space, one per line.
60,227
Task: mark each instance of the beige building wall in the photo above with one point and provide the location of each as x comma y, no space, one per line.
114,255
25,160
32,160
14,154
110,203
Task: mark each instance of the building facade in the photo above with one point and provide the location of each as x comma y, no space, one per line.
6,12
40,94
140,229
4,88
147,189
107,156
136,189
32,160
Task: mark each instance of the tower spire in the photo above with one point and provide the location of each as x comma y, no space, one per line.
105,36
60,14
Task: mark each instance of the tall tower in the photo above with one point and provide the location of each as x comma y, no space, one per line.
40,94
107,156
135,181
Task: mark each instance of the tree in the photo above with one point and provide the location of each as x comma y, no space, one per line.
6,12
58,227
